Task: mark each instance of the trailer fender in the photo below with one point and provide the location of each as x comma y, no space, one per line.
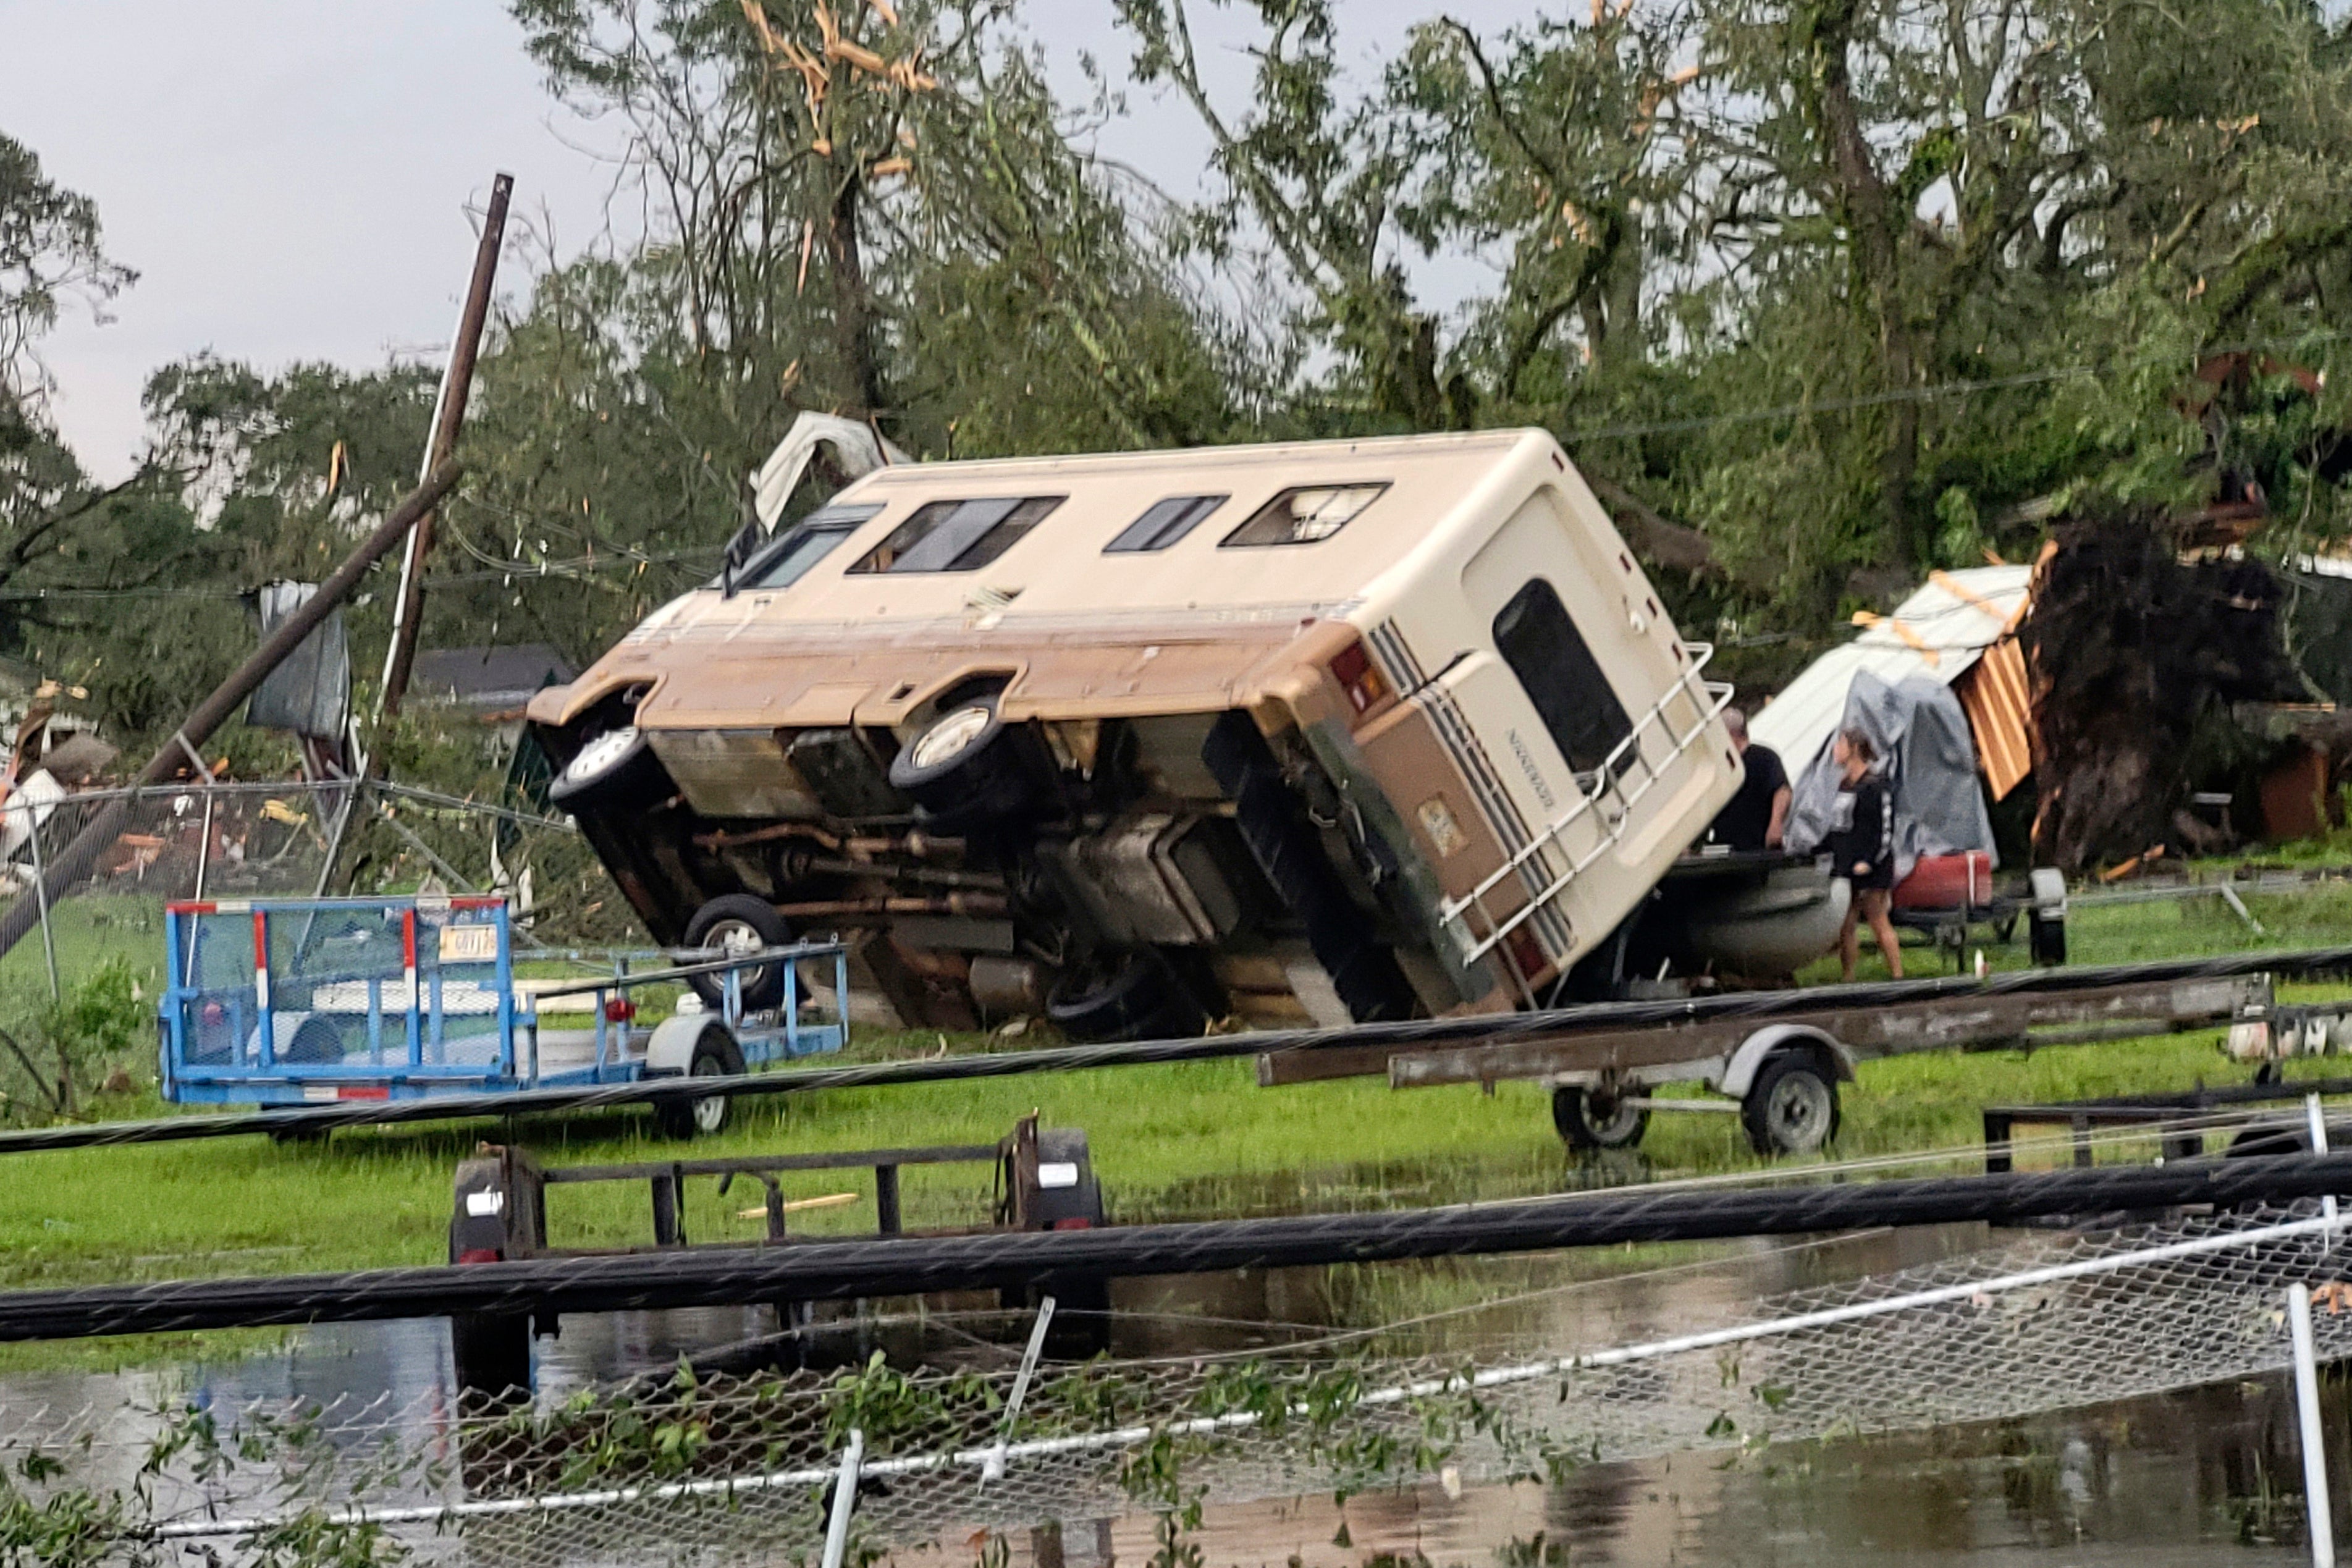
670,1052
1769,1041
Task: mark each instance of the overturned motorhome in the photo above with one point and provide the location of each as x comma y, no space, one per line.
1364,729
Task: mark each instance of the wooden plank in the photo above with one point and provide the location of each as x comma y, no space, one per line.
1275,1068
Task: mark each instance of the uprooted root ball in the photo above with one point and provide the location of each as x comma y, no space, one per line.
2129,647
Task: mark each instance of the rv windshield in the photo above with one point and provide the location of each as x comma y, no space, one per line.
806,544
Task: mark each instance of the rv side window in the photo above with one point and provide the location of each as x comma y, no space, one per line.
1562,678
957,535
1164,523
1304,515
804,544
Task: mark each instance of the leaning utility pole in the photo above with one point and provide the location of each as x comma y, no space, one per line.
449,415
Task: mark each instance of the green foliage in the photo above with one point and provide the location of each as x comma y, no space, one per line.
103,1022
55,1513
51,250
1853,291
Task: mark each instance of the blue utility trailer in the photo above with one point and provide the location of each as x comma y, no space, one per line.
301,1001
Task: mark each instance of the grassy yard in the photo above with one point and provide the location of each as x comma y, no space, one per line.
1187,1140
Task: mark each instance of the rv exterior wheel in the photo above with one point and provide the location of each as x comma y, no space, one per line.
1791,1106
736,923
1133,995
613,772
967,767
716,1055
1589,1120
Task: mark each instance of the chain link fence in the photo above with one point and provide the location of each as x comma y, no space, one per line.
76,995
739,1470
291,839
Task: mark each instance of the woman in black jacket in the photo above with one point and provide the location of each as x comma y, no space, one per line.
1862,843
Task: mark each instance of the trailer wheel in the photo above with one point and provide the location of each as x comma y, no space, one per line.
1792,1106
1590,1121
615,771
737,923
2045,938
716,1055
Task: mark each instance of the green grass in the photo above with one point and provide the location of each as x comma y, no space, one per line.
1187,1140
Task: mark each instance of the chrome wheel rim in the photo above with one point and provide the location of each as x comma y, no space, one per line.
710,1111
600,754
734,938
952,735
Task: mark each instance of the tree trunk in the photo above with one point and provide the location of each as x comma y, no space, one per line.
1864,207
853,304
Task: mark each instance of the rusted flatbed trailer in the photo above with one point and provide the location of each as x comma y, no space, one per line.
1780,1074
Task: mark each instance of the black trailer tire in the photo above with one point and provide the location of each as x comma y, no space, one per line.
1589,1121
613,772
739,923
1791,1108
2045,938
969,767
1133,995
716,1055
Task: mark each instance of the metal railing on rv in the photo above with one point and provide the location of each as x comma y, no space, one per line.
1606,799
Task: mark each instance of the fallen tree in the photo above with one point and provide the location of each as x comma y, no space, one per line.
2130,648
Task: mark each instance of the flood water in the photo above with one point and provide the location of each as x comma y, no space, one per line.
2195,1477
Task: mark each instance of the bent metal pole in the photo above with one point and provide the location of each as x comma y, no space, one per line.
74,861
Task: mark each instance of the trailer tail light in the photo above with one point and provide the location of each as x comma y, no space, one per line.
1354,671
481,1254
619,1010
1075,1222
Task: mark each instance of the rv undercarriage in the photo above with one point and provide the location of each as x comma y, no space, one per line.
1127,878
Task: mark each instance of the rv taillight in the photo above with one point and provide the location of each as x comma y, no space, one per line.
1362,683
1527,953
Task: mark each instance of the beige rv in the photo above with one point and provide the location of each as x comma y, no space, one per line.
1332,730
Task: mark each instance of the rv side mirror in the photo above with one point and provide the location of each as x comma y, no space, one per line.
739,551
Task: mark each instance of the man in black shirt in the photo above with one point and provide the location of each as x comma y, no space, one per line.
1754,817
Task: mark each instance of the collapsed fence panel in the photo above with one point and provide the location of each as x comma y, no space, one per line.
721,1470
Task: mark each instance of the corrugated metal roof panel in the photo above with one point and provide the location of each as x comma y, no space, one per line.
1939,631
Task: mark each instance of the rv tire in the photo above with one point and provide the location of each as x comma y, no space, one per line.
739,923
614,771
967,767
1134,995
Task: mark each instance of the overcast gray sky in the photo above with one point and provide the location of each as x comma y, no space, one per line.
290,177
